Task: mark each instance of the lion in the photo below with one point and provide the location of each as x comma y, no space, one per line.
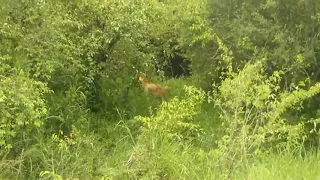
152,88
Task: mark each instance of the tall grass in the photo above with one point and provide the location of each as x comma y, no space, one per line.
125,150
108,159
283,166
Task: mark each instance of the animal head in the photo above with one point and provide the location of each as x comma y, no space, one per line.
143,78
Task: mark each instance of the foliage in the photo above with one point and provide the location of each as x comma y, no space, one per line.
71,106
173,118
170,122
22,108
252,108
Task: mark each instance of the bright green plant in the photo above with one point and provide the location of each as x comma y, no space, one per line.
174,118
253,108
172,121
22,107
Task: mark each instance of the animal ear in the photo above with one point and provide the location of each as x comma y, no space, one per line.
139,75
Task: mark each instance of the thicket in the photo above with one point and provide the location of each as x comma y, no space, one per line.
243,78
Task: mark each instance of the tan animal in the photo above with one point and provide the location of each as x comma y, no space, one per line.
152,88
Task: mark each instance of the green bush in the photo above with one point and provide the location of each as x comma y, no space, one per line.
253,110
22,109
172,121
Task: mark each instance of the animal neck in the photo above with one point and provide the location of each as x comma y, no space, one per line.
144,83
